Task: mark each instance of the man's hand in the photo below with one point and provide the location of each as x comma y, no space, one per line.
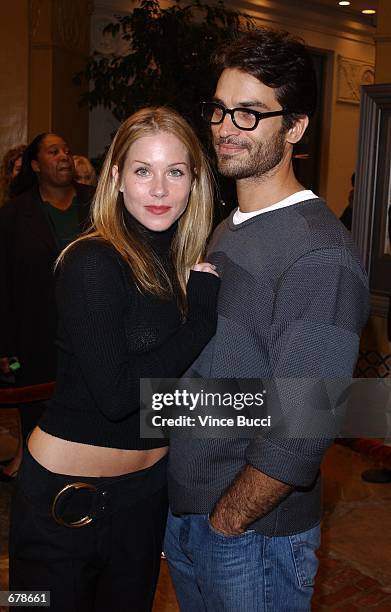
222,521
251,496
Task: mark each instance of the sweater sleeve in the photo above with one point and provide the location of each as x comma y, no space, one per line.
321,304
92,297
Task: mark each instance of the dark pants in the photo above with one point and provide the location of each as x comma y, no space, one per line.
111,563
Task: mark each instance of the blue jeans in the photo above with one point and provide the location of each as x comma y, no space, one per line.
246,573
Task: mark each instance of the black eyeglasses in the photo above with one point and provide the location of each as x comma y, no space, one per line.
243,118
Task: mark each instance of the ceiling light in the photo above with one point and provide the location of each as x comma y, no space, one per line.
368,12
344,3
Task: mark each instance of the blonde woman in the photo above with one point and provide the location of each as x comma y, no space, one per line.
84,171
133,302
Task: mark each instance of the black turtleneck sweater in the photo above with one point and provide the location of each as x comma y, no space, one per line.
111,335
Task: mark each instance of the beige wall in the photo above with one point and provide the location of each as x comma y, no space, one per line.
14,55
343,151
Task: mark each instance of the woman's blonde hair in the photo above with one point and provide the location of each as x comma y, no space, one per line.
84,162
194,225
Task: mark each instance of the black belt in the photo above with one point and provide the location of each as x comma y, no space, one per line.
75,503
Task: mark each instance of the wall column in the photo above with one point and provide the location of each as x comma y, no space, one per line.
59,46
14,53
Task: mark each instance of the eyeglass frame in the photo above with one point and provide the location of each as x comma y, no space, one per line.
231,111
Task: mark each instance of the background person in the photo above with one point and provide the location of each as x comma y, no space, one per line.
129,307
9,169
48,211
347,216
84,171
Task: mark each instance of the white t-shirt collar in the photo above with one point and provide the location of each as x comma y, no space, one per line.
299,196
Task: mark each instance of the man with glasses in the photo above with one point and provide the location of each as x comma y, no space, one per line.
244,521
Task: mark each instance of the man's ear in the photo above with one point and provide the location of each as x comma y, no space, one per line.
35,165
116,177
295,133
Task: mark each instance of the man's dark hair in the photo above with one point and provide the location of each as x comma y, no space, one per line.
279,60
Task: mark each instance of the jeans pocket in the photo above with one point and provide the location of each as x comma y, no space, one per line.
304,546
225,536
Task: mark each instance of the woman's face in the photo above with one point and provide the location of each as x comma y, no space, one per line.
156,180
54,164
83,175
16,167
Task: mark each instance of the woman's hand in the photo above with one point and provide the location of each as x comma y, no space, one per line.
205,267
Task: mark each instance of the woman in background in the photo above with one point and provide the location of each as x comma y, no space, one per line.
133,302
9,169
85,172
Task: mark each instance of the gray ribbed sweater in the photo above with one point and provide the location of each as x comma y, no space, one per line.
292,303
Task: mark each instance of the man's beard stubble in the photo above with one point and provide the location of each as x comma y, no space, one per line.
261,159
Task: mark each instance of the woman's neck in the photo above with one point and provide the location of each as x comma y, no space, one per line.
159,241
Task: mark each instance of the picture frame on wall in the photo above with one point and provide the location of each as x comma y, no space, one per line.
372,196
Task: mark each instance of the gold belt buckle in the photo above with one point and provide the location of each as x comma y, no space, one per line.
85,520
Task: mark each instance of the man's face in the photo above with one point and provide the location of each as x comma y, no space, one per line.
244,154
54,164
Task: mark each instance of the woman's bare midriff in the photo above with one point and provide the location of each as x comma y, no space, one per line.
75,459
